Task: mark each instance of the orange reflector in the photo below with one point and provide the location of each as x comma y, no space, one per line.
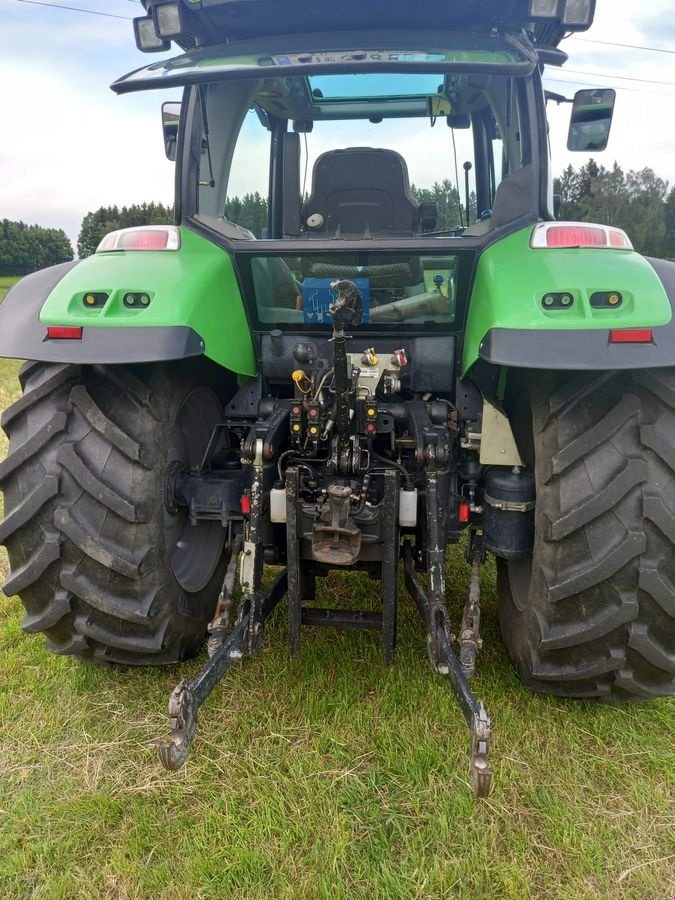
631,336
65,332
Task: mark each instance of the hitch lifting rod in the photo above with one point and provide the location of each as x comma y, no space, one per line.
188,696
446,663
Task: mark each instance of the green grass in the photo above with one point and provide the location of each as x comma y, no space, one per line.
6,282
326,777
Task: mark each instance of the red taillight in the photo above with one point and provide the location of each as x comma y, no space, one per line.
65,332
575,236
579,234
148,237
618,239
631,336
464,512
143,240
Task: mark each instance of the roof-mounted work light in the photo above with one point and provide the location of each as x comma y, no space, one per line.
168,20
578,13
572,14
544,9
147,39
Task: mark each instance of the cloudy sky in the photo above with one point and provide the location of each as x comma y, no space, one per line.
69,145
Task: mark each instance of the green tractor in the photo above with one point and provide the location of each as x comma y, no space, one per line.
361,375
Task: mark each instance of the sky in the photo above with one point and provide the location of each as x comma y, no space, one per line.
68,145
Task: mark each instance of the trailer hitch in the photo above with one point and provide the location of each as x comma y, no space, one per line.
445,662
188,696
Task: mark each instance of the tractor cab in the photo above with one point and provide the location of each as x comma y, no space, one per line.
314,141
371,156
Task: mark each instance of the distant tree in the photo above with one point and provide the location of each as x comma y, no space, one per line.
646,221
27,248
449,203
105,219
636,201
249,211
574,188
669,222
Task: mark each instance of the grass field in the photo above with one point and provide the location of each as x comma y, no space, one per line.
326,777
6,281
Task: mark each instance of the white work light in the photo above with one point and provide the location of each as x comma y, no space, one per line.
544,9
147,38
577,13
168,20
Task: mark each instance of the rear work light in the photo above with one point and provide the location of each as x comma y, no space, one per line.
579,234
543,9
168,21
146,237
64,332
576,15
147,39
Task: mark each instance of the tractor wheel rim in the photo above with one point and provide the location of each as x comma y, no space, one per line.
194,550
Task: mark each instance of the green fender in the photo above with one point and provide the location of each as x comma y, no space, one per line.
193,288
508,323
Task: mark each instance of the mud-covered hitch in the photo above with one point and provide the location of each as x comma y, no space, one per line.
188,696
334,477
445,662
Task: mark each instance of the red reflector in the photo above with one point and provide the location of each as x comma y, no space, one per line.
246,504
631,336
464,512
575,236
65,332
143,240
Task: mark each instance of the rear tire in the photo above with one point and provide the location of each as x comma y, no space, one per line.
592,613
103,570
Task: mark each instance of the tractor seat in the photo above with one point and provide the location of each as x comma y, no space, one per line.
362,191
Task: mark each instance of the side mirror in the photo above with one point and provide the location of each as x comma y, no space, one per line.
591,119
170,120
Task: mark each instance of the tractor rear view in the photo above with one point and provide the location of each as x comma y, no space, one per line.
323,365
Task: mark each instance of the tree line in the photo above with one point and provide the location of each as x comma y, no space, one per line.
640,202
251,209
27,248
105,219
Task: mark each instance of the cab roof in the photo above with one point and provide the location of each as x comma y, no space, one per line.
209,22
299,58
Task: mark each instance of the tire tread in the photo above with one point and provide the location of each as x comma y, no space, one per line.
598,619
84,513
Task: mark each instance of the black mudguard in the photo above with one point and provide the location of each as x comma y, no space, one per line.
586,349
23,336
